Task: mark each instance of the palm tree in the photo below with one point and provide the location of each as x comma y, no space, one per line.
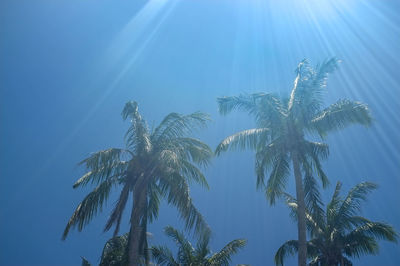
282,127
338,233
155,164
190,256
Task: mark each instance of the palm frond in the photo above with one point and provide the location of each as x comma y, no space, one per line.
137,137
312,225
102,165
314,204
291,202
246,139
171,163
163,256
352,203
278,178
318,149
289,248
376,230
223,257
333,206
306,96
266,108
242,102
202,247
178,194
90,206
314,151
358,244
176,125
302,71
185,248
153,202
192,150
116,214
323,70
192,173
340,115
266,157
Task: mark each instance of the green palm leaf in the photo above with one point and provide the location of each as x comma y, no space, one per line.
223,257
163,256
278,178
90,206
340,115
288,248
246,139
352,203
176,125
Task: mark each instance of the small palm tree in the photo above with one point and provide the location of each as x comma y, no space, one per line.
338,233
282,127
190,256
155,164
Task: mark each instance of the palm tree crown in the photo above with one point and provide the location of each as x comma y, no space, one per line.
338,233
155,164
199,255
282,127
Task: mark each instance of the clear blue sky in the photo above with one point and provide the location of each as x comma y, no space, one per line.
68,66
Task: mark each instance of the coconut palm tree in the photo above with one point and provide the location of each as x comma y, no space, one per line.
155,164
199,255
338,233
282,127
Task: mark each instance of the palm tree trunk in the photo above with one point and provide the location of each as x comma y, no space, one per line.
136,229
301,212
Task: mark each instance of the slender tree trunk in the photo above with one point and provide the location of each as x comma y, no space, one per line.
301,212
136,229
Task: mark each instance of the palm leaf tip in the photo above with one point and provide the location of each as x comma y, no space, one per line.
287,249
224,106
130,109
85,262
246,139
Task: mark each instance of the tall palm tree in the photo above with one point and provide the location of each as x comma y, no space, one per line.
199,255
338,233
155,164
282,128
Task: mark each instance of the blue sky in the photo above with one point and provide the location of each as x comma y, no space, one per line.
67,67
